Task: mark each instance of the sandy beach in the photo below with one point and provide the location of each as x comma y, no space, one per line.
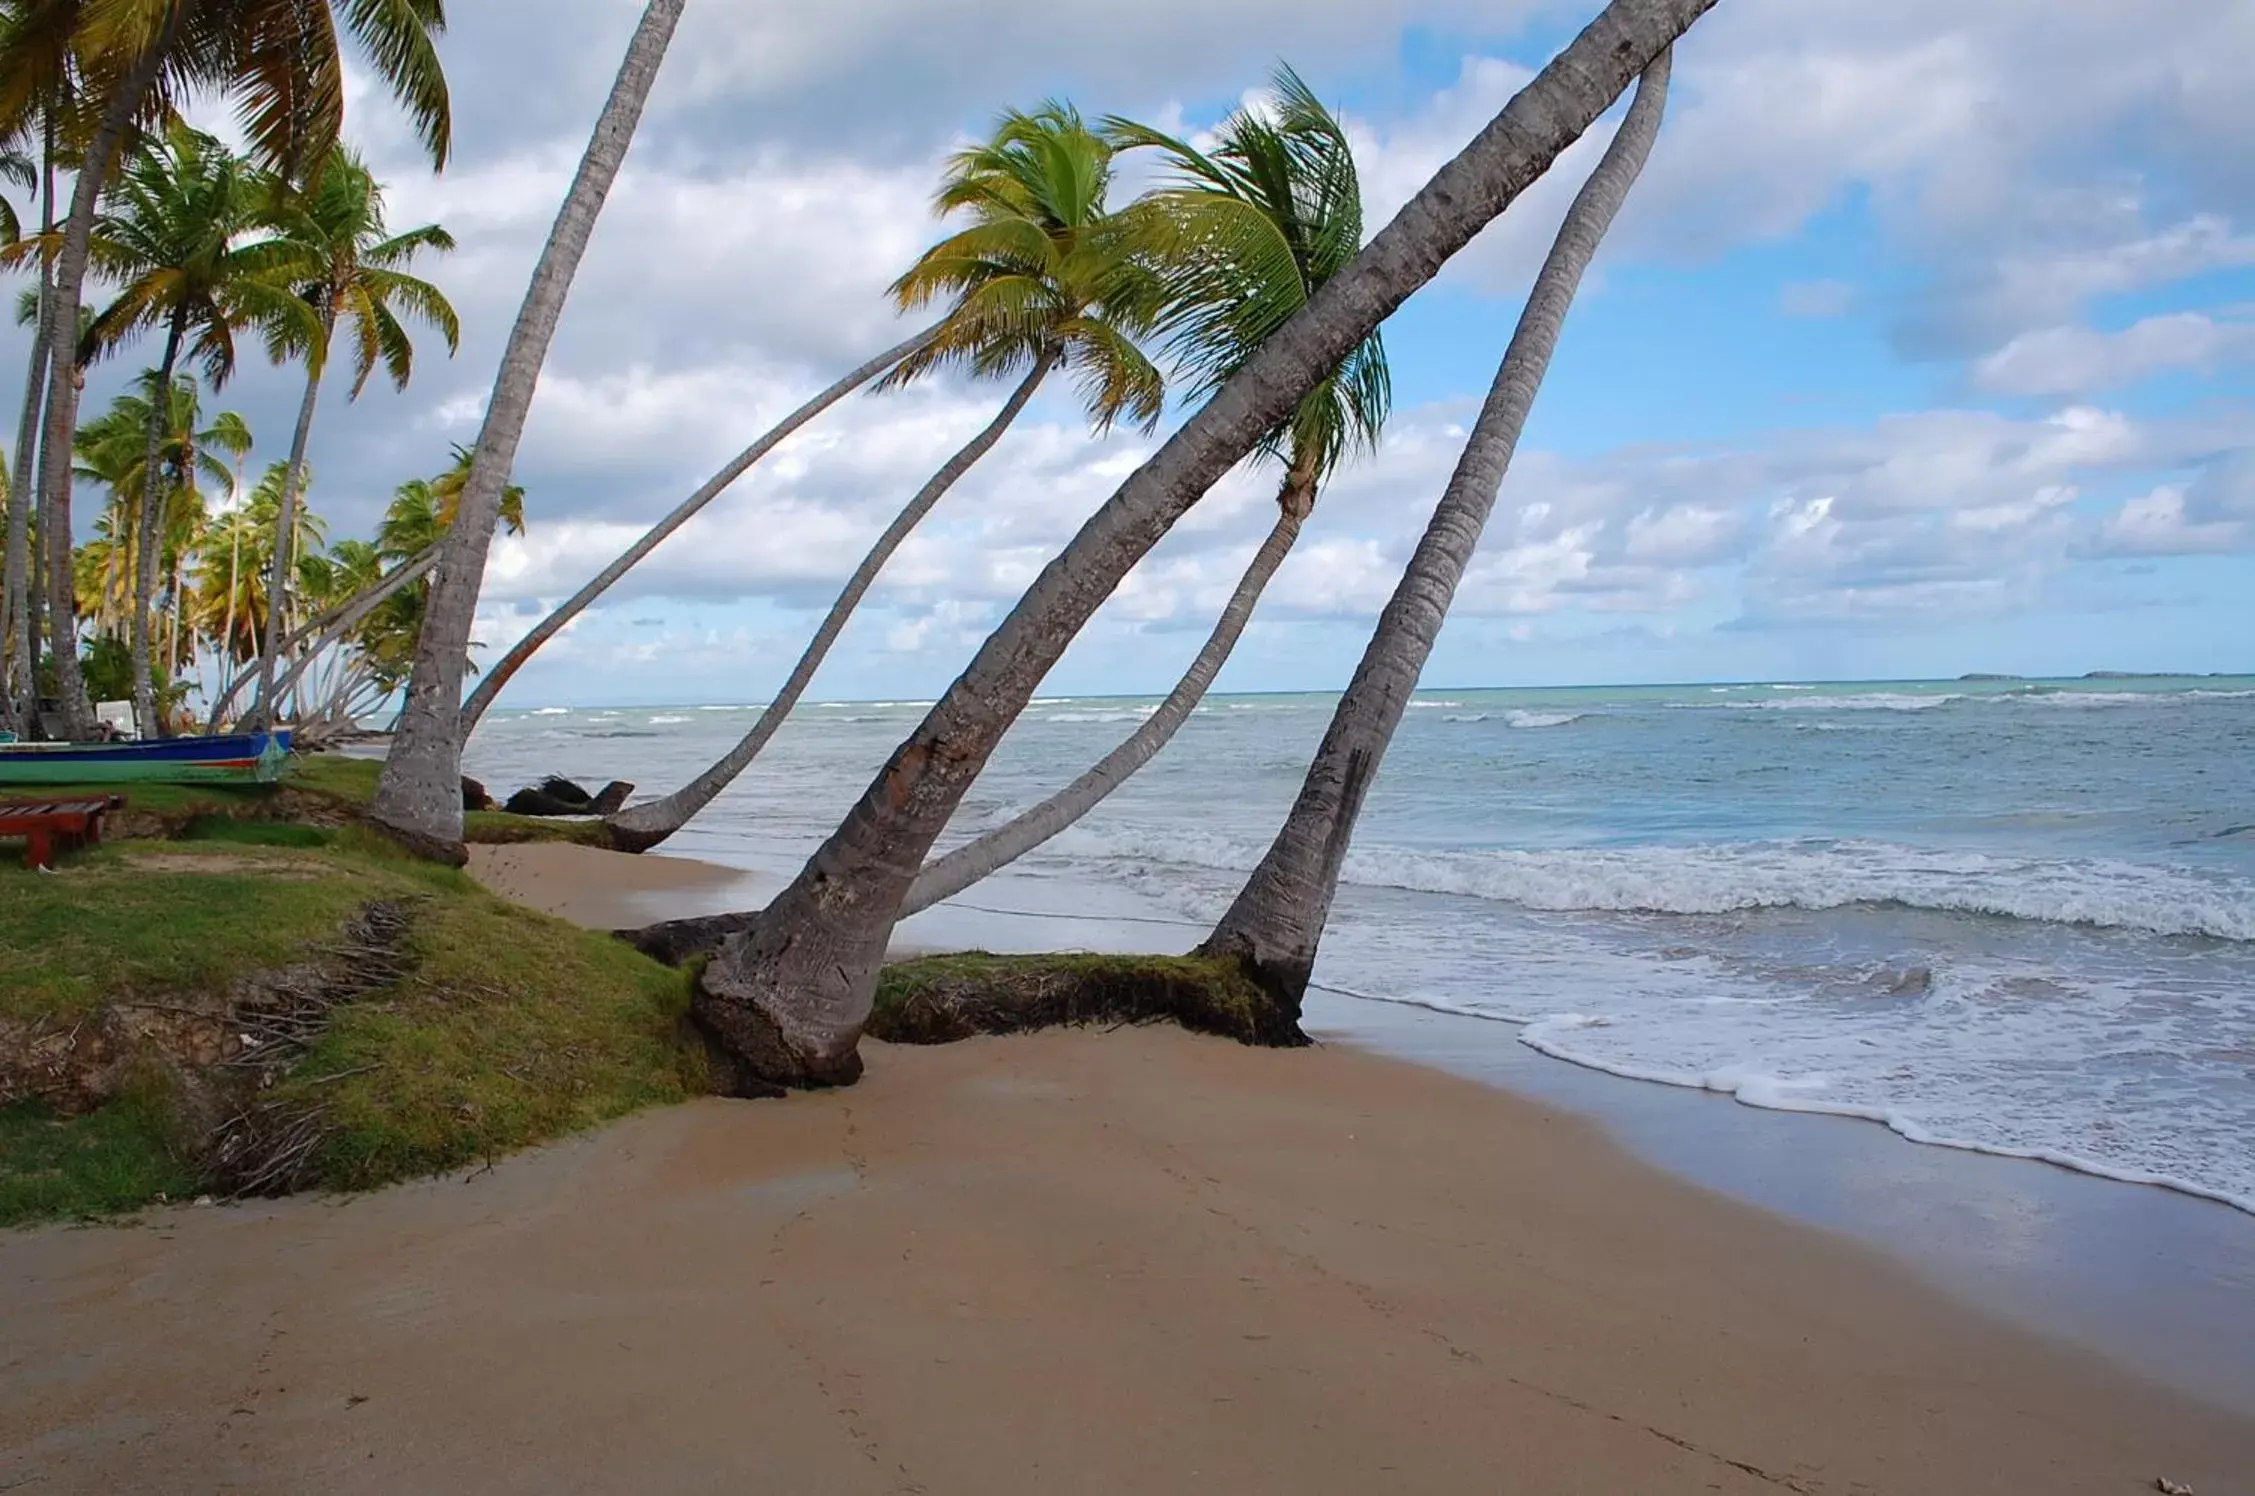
1128,1261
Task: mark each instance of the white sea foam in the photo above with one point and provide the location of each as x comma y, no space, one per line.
1763,875
667,721
1875,701
1127,714
552,711
1542,719
1758,1086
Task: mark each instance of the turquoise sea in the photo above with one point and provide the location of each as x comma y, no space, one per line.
2015,916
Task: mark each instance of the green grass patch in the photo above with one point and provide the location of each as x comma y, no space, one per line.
940,999
509,1028
154,920
317,788
103,1164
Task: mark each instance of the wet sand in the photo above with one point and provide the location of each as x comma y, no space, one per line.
1135,1261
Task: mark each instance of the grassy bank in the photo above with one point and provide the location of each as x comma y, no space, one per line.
226,1009
322,789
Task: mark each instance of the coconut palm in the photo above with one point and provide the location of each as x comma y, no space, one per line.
279,61
787,998
1276,921
164,498
177,235
1045,277
712,488
391,604
351,270
1267,217
37,92
419,796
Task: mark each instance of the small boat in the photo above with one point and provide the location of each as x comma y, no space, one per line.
240,758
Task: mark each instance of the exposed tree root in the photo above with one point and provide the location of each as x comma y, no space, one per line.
940,999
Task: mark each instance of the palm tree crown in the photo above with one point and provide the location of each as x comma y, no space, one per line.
1262,220
350,269
1045,269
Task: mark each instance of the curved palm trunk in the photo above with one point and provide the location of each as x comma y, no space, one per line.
19,694
524,649
419,797
1277,921
148,549
788,998
285,525
644,826
948,876
330,626
62,353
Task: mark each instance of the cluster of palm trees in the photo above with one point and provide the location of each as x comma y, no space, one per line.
201,246
1244,276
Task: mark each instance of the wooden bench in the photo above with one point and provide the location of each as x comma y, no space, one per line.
51,825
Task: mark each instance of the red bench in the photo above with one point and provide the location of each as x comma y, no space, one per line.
49,825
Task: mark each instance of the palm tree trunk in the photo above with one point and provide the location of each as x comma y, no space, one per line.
148,546
331,627
62,353
227,629
280,572
510,663
644,826
1277,920
974,861
419,797
19,694
788,998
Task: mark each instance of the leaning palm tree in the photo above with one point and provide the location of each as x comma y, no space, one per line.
1267,217
176,236
1273,927
419,796
410,541
1045,277
279,61
788,997
712,488
351,270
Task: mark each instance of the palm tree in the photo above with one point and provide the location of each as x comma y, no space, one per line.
1276,922
419,796
1265,219
164,498
279,61
38,89
1044,277
788,997
391,603
712,488
351,269
174,237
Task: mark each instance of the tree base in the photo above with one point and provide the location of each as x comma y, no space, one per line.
752,1056
1284,983
422,844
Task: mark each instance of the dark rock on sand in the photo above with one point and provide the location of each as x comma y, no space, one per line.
474,796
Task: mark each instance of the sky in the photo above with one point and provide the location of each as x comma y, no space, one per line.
1925,345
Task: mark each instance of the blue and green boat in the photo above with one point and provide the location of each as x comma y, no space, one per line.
239,758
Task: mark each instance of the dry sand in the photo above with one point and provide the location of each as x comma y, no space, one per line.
607,890
1080,1262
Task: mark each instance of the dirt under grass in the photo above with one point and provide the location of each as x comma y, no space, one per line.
181,1015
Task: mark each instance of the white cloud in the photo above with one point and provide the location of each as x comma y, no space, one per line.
2082,360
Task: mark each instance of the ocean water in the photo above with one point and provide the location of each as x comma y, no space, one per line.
2011,916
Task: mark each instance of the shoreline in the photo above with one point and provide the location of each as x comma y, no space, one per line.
1966,1222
